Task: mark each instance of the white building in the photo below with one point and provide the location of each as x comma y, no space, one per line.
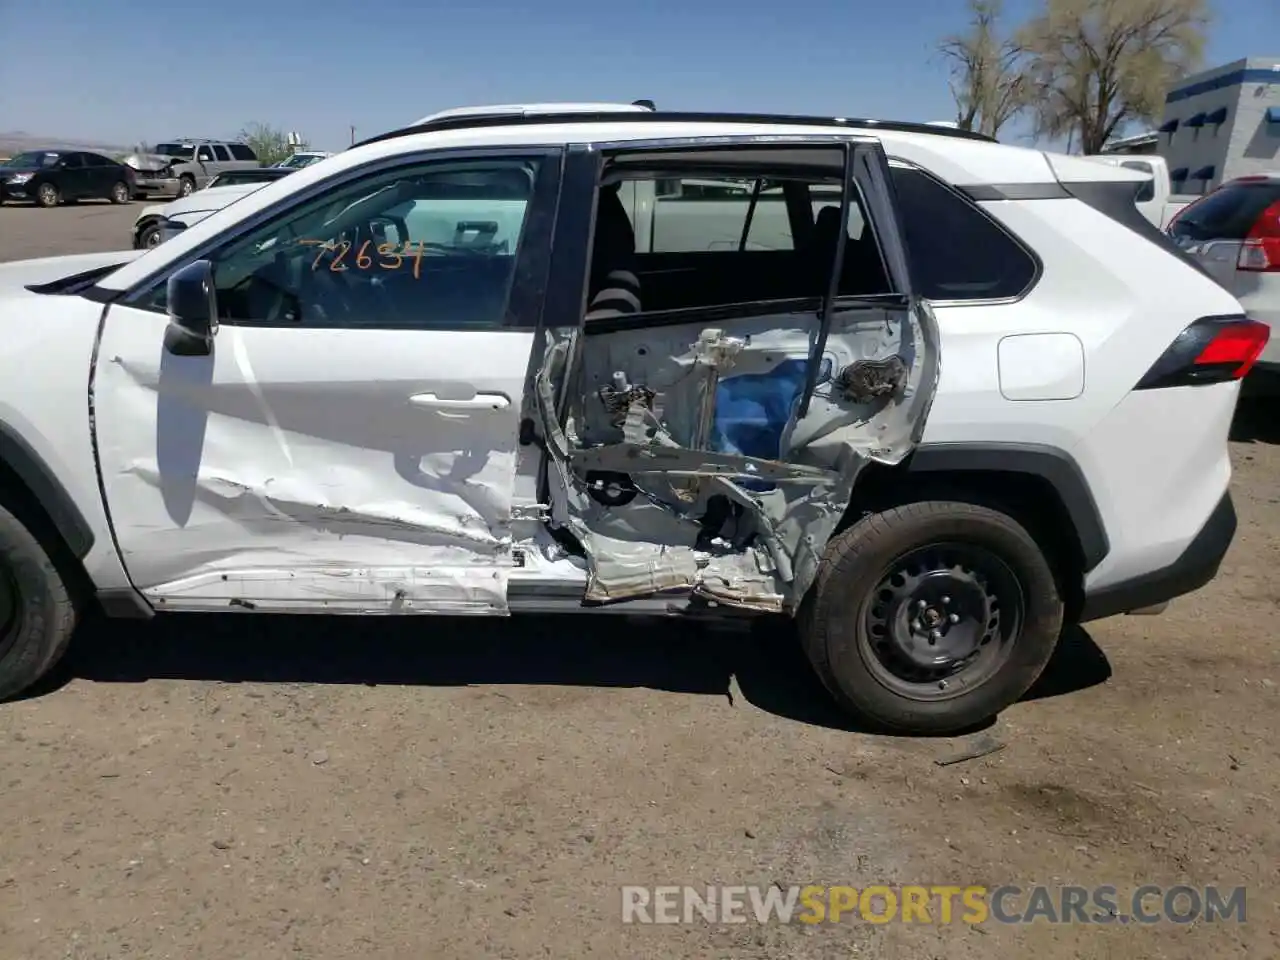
1222,123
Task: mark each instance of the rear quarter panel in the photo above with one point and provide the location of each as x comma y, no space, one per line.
1156,461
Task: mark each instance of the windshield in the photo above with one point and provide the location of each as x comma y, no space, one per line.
299,160
34,158
182,151
241,176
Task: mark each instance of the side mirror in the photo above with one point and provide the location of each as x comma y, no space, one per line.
193,311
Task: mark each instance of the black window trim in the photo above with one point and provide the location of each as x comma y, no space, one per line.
975,206
529,278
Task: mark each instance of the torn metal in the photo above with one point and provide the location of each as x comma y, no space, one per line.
682,461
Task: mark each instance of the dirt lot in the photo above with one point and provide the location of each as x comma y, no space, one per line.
260,787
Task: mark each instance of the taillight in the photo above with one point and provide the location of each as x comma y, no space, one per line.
1211,350
1260,251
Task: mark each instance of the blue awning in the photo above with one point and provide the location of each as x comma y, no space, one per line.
1196,121
1178,174
1169,126
1273,114
1217,117
1204,173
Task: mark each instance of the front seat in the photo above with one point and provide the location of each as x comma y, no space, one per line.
614,287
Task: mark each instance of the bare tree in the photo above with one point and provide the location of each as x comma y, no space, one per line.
269,143
1098,64
987,82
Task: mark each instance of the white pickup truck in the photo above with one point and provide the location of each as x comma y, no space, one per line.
1156,201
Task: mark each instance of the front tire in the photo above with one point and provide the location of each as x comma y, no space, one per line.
120,193
149,237
37,614
47,195
186,186
931,618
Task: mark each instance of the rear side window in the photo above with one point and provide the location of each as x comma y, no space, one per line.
242,152
957,252
1227,213
221,152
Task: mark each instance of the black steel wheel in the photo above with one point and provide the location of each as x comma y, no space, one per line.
942,620
931,617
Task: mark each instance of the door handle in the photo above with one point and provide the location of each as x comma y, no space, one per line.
481,401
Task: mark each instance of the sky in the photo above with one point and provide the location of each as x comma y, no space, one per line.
208,68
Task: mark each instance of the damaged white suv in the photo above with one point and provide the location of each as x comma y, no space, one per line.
625,360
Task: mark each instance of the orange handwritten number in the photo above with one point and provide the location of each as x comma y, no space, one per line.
337,266
324,247
417,257
363,260
389,250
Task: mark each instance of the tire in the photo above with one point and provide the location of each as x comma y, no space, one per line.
149,237
47,195
991,616
120,193
37,614
186,185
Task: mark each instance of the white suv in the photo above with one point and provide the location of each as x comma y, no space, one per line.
484,365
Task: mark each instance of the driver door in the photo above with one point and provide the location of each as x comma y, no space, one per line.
346,440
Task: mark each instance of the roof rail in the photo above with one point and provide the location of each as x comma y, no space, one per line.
530,109
461,120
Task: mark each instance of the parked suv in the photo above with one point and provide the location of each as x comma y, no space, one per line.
441,373
180,167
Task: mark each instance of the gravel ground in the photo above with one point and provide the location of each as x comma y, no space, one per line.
266,787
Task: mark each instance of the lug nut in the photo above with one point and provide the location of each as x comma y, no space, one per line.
954,618
946,600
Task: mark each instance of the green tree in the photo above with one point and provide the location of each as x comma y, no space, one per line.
987,81
1096,65
271,144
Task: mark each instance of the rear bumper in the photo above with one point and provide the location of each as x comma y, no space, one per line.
1194,567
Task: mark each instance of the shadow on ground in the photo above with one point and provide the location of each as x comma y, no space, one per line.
573,650
1257,418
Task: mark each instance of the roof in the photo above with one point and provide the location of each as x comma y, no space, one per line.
530,114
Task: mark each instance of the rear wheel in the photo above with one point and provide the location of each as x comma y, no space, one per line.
932,617
37,615
47,195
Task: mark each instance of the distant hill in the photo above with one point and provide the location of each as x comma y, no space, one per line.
16,141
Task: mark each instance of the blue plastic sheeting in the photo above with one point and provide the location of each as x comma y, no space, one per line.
753,409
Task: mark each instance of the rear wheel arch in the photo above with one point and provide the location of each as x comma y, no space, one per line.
1041,487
